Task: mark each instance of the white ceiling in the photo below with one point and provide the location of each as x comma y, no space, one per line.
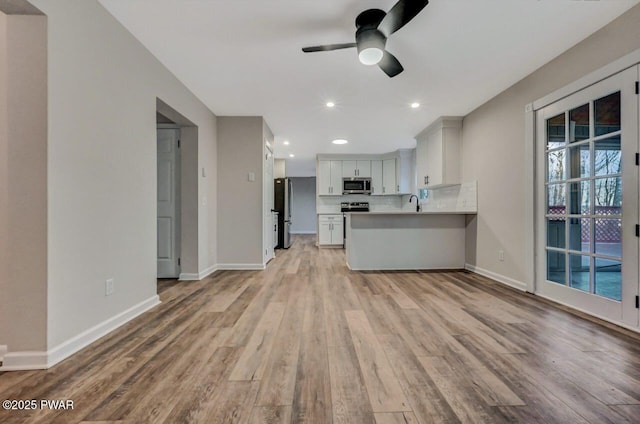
243,57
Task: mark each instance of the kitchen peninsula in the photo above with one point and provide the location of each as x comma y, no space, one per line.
399,240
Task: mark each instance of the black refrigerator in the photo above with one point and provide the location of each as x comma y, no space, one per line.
283,195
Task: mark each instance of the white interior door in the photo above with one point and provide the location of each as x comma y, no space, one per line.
587,199
168,203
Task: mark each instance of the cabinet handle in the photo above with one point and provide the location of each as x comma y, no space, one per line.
398,188
427,179
383,189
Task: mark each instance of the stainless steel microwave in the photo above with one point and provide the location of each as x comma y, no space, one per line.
356,185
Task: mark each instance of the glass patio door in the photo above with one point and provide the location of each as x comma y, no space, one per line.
587,199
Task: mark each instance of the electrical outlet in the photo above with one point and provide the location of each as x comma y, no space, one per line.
109,287
501,255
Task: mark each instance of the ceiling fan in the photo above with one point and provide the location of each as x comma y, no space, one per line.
374,26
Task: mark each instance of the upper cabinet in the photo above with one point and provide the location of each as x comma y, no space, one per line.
438,153
389,177
376,177
329,175
356,168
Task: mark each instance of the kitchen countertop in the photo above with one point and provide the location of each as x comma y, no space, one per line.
405,212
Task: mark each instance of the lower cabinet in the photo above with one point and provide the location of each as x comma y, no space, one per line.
330,230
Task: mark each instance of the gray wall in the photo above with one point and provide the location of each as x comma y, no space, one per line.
23,182
103,85
240,217
494,146
304,206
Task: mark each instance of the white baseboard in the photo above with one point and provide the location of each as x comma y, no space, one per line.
37,360
197,277
238,267
302,232
519,285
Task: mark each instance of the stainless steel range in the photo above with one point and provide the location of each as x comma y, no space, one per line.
351,207
354,207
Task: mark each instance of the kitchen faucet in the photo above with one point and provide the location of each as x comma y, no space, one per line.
417,202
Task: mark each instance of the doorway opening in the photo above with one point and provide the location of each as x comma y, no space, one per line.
177,196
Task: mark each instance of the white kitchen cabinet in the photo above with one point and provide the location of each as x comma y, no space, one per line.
376,177
438,153
330,230
406,171
389,177
356,168
329,177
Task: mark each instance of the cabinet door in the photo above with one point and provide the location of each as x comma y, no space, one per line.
389,184
336,177
324,177
434,158
364,168
376,177
337,234
324,233
349,168
421,162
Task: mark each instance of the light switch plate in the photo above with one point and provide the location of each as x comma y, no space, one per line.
252,176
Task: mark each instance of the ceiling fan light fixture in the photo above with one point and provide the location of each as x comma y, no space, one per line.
371,44
370,56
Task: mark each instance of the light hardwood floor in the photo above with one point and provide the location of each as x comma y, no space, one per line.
309,341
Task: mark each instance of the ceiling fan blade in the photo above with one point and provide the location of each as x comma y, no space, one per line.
400,14
328,47
390,65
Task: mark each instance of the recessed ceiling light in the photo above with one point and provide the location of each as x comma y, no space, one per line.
330,104
286,143
291,155
415,105
340,141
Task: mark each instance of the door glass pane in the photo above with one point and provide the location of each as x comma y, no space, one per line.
608,196
579,161
579,123
556,200
555,232
607,114
556,267
608,278
556,167
579,198
579,272
580,234
555,131
608,156
609,237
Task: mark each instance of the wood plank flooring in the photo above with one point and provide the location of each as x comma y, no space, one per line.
308,341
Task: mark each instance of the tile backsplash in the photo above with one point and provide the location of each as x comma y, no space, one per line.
457,198
331,204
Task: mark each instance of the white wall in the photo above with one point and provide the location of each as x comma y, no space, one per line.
103,86
240,144
493,149
23,182
305,220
